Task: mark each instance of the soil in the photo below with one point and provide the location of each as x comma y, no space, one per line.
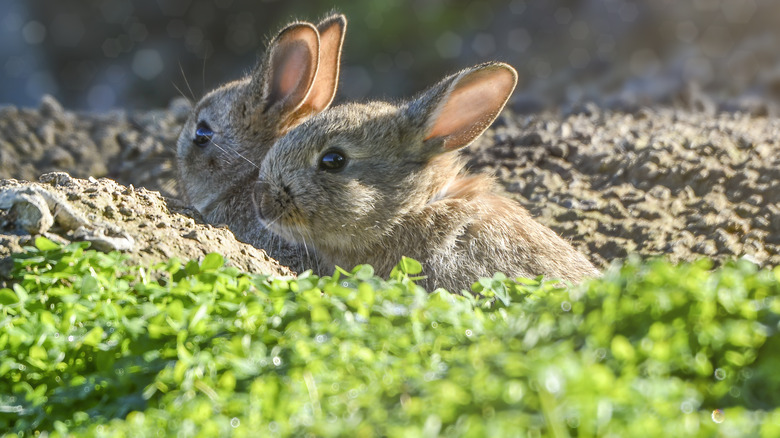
655,182
136,148
139,222
682,182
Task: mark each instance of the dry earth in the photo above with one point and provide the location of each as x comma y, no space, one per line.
139,222
652,182
682,182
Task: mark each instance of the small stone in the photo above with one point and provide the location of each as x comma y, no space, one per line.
746,211
566,130
105,240
660,192
46,132
29,208
192,235
706,247
587,204
567,216
530,139
755,200
50,108
31,214
560,150
56,178
109,211
647,210
647,171
126,211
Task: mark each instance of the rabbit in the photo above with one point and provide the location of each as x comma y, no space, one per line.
370,183
232,127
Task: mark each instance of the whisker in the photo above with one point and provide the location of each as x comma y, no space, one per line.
277,243
228,151
181,92
312,260
305,246
170,145
203,75
186,81
273,221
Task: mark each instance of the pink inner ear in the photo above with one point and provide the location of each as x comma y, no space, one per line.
294,62
293,67
324,88
474,102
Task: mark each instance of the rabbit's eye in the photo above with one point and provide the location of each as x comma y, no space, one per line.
333,161
203,134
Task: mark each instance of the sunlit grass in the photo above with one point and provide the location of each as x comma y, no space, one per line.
92,346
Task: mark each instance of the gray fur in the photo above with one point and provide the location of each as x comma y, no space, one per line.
405,194
247,116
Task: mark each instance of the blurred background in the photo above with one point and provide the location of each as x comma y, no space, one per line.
135,54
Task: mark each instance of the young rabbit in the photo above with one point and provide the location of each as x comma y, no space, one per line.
369,183
230,129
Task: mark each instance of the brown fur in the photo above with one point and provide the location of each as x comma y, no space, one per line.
295,79
403,191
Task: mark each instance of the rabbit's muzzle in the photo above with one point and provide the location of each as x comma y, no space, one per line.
275,205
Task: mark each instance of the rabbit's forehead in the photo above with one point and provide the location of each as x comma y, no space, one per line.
358,129
218,102
362,125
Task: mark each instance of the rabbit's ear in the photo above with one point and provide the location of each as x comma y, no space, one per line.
323,90
286,77
462,106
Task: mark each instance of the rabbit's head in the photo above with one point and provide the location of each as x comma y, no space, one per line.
232,127
346,177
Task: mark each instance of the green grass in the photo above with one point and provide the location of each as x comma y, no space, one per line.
90,346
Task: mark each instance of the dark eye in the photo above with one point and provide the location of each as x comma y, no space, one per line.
203,134
333,161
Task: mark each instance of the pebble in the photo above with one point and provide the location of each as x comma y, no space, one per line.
530,139
126,211
50,107
27,210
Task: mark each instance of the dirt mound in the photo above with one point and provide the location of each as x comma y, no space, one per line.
139,222
131,148
677,182
653,182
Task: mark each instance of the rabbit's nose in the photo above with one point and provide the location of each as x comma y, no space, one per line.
272,201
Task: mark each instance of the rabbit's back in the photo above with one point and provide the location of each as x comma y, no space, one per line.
488,233
467,232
